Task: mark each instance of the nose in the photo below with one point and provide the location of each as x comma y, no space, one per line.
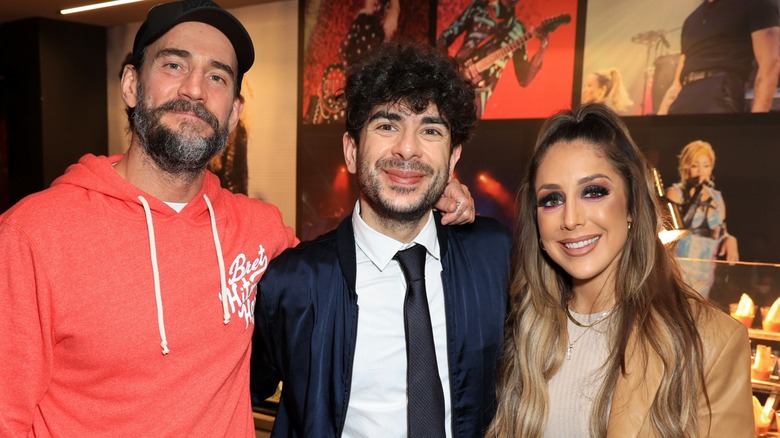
572,216
192,87
407,146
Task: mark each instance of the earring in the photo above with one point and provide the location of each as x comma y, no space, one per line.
629,225
541,245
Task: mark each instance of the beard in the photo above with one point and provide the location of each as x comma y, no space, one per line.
184,153
371,189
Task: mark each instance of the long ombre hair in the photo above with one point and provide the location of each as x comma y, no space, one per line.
653,307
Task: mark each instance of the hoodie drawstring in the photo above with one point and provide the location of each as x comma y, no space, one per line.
156,271
218,246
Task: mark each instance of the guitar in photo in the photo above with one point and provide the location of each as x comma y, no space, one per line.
491,36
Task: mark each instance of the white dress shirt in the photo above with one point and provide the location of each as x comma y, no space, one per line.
377,401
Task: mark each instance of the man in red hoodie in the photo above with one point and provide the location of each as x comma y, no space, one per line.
127,289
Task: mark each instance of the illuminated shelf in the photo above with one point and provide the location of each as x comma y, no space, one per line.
772,386
764,335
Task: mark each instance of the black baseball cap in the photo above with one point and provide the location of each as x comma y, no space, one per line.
162,18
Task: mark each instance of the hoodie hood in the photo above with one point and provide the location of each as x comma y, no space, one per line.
97,173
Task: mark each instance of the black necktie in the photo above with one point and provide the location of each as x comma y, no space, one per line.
425,397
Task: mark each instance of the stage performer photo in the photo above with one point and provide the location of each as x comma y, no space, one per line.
606,86
720,40
376,22
492,35
704,216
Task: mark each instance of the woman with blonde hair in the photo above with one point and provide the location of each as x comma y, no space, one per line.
606,86
603,337
704,216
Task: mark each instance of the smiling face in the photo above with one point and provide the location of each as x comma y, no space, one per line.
184,97
582,213
403,162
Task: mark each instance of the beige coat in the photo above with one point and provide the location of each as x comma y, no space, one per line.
726,374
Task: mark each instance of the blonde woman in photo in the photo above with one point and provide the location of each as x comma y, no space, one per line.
606,86
704,216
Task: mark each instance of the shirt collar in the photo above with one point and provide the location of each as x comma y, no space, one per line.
380,249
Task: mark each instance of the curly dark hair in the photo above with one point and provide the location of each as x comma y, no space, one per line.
416,75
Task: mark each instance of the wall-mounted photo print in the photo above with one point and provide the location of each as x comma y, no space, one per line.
336,33
682,56
720,178
519,54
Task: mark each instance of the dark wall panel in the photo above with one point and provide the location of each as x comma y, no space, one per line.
54,97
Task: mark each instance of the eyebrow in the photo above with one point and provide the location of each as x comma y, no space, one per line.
384,114
169,51
581,181
394,116
435,120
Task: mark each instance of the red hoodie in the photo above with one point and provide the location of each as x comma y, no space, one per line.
82,323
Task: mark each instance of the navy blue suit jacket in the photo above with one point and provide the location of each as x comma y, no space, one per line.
306,323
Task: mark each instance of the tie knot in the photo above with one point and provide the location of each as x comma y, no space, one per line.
412,261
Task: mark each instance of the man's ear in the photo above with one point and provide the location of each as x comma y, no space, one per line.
454,157
129,85
350,152
235,114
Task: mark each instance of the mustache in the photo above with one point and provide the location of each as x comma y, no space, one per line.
186,106
405,165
